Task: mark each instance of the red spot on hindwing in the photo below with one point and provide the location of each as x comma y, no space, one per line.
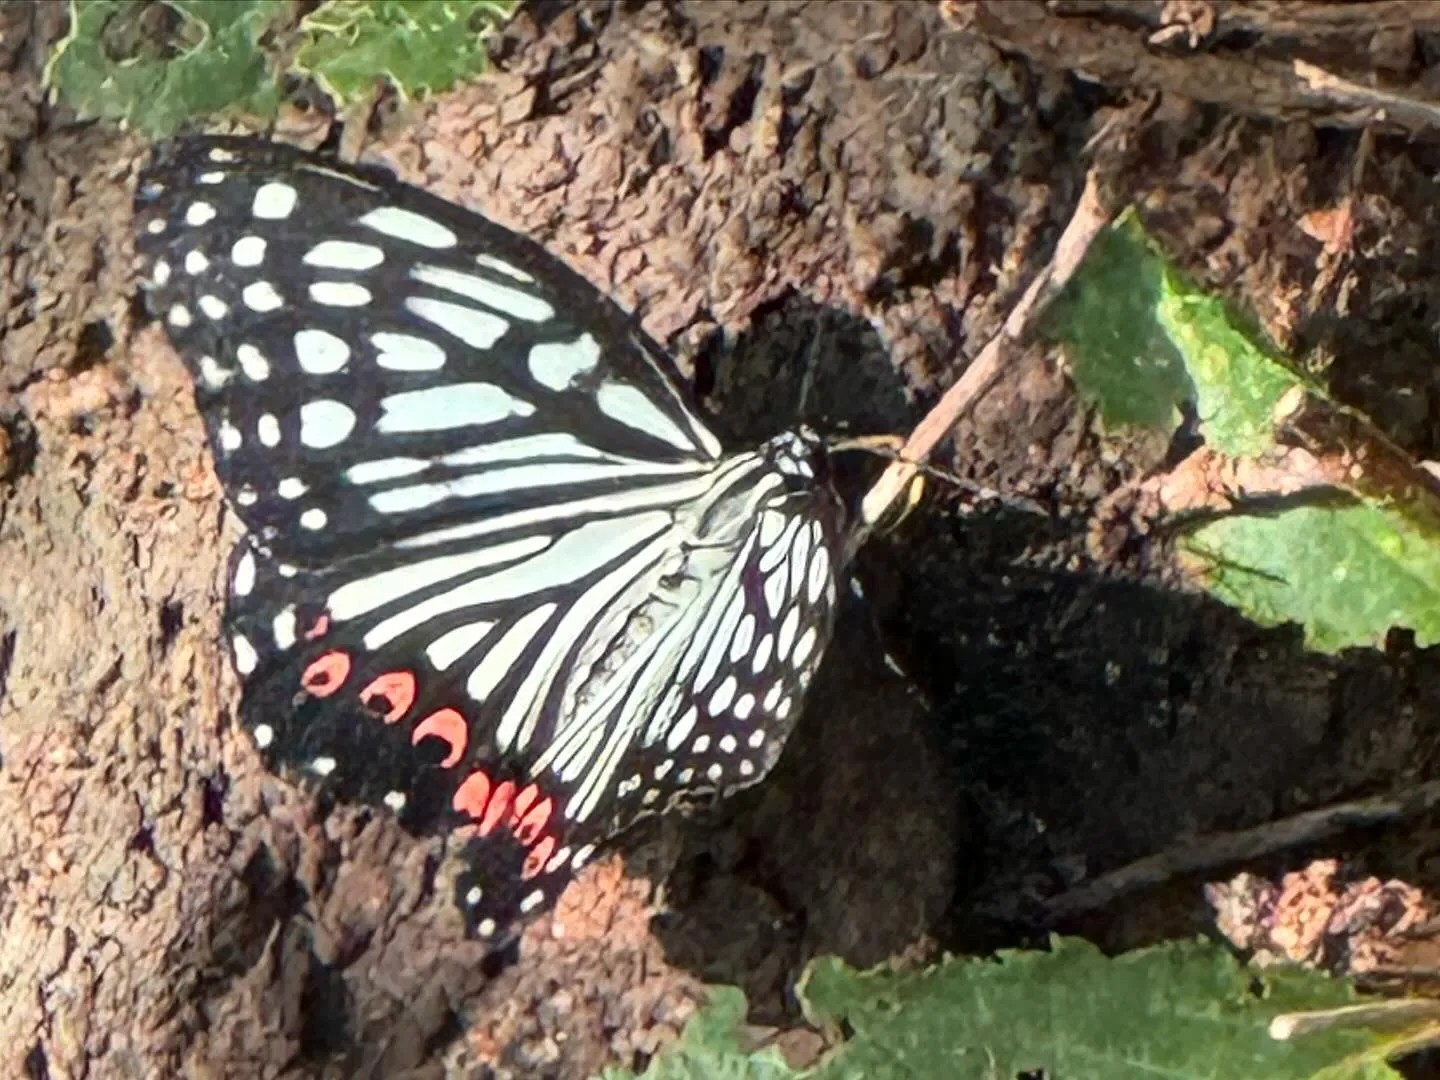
326,674
396,688
536,860
449,725
525,814
472,795
499,803
528,795
533,823
319,629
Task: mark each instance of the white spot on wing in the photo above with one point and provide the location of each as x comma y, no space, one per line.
556,365
213,307
532,901
773,695
628,406
261,296
771,524
373,472
787,632
776,589
776,551
282,628
395,800
744,637
504,654
450,646
819,573
248,251
320,352
212,374
339,294
723,696
323,766
325,423
213,177
179,316
196,263
253,363
199,213
405,352
245,656
714,773
264,735
799,557
503,298
244,579
477,328
292,487
744,707
313,519
160,272
451,406
274,201
343,255
408,225
230,437
268,428
680,732
805,646
761,656
492,263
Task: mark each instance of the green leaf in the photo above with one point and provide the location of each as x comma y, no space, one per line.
420,46
1238,382
158,63
1347,575
1121,356
1143,342
709,1049
1186,1011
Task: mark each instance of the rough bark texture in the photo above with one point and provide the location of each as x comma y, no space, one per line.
746,177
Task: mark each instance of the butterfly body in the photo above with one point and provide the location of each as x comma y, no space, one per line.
499,575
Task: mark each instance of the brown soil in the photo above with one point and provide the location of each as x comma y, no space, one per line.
747,178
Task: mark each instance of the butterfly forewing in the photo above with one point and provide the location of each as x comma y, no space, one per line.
499,574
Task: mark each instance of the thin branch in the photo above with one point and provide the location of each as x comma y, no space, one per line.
1089,219
1209,853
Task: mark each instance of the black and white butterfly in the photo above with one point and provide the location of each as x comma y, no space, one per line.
499,574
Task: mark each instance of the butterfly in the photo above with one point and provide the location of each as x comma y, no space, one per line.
498,575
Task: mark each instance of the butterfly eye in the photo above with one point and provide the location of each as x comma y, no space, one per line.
500,576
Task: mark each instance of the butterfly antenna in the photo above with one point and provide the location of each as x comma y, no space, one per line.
807,373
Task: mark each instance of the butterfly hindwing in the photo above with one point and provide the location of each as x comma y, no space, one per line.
499,576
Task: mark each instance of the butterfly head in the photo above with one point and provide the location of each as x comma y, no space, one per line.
802,457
